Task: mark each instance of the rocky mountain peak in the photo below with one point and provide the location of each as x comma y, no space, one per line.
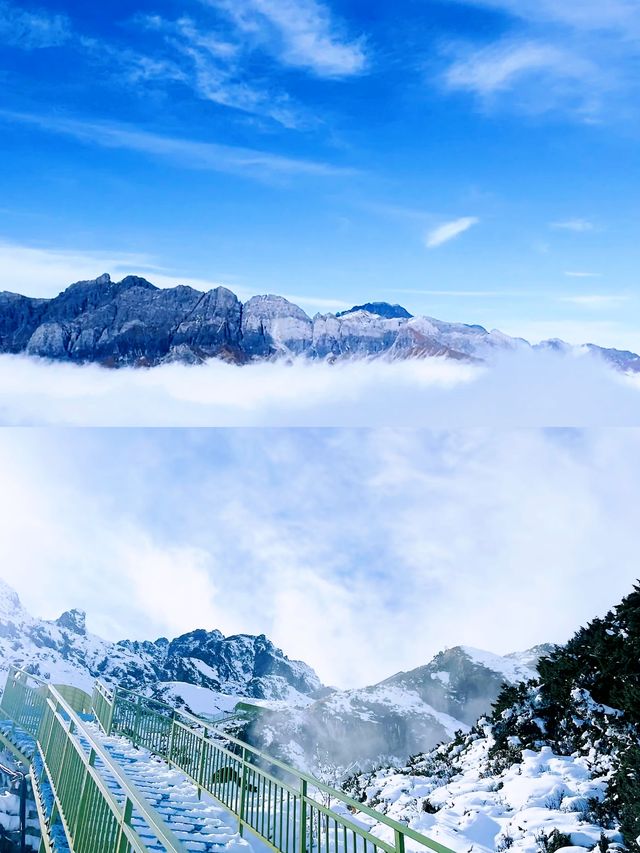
10,604
382,309
74,621
64,651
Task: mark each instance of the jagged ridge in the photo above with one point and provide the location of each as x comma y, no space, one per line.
64,652
133,322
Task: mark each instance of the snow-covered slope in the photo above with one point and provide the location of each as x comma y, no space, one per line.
555,766
407,713
64,652
455,796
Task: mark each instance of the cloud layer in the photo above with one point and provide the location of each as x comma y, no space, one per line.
363,552
519,389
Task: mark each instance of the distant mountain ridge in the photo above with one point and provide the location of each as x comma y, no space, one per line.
133,322
407,713
301,720
64,652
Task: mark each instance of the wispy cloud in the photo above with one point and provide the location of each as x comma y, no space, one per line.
32,28
449,231
43,271
499,67
464,294
579,274
568,56
595,300
300,33
621,16
213,66
579,226
185,153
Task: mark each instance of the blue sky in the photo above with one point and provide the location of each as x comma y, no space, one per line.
362,552
472,159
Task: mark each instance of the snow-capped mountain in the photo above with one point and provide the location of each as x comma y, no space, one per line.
555,766
132,322
300,719
206,661
402,715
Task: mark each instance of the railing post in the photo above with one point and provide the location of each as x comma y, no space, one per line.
171,736
136,721
399,841
203,751
82,802
123,841
302,840
108,725
243,790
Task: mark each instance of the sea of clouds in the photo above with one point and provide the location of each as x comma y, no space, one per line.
518,389
362,552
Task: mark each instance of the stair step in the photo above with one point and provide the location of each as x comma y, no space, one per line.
198,821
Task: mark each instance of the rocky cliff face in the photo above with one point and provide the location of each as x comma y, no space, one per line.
132,322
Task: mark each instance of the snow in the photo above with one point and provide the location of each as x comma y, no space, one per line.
478,811
509,667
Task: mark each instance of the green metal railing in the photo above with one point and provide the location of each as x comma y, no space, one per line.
94,819
289,810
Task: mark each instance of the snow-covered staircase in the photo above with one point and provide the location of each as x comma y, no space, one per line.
16,736
198,822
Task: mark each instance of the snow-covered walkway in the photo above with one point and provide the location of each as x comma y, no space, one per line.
200,823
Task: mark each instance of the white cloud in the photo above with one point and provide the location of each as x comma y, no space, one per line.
344,538
571,57
577,225
577,274
595,300
44,272
32,29
520,389
301,33
587,15
449,230
183,153
214,68
500,66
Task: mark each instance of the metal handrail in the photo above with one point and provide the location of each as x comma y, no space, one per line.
224,717
250,758
133,799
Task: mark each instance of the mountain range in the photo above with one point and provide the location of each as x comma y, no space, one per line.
133,322
64,652
298,718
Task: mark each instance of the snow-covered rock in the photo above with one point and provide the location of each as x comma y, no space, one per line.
65,653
